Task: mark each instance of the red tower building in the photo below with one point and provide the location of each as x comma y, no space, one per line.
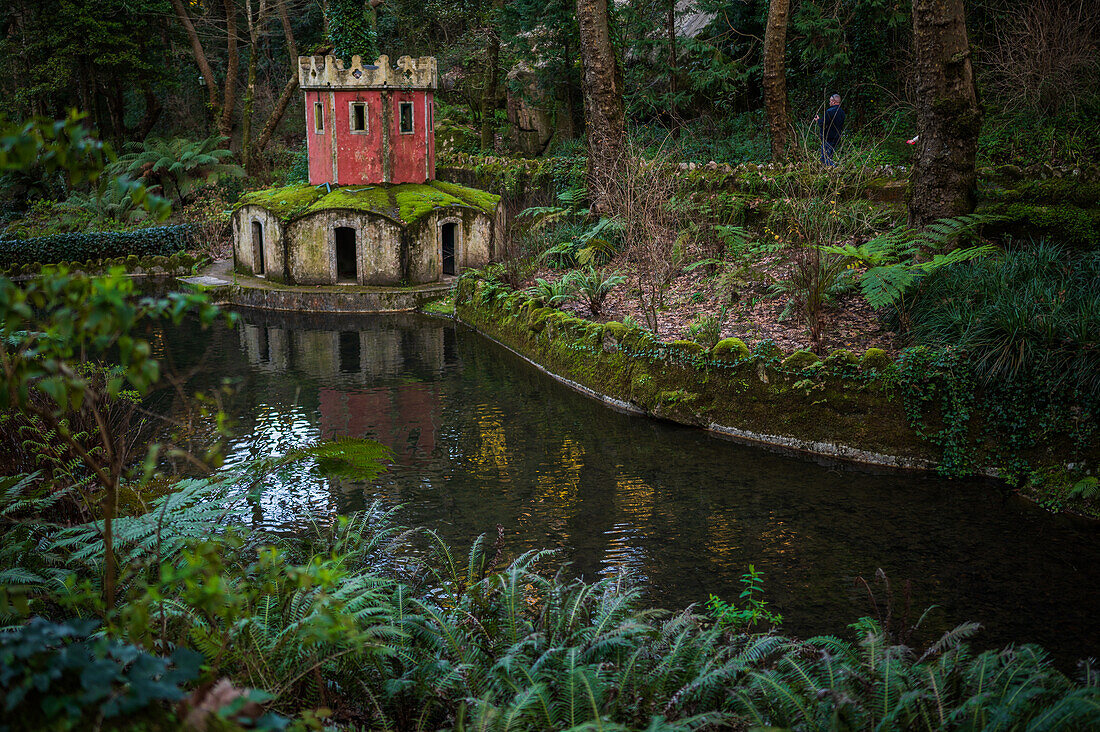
369,123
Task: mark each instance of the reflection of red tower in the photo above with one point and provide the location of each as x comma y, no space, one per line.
403,418
369,123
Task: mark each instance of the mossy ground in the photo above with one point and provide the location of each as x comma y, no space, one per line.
442,306
405,203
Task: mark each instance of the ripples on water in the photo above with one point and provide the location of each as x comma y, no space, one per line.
480,439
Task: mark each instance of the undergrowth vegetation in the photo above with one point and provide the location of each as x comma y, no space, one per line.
391,629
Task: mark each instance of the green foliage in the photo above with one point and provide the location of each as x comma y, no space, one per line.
66,147
1033,310
56,146
706,330
347,457
185,164
893,268
363,615
92,245
351,30
1023,328
63,676
554,293
593,287
51,323
754,610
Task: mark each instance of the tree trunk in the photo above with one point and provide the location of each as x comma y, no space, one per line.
489,91
255,25
291,46
153,110
775,76
673,68
603,99
229,95
276,114
948,119
200,57
288,90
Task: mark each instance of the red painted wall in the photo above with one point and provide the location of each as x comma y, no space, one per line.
319,147
359,157
410,151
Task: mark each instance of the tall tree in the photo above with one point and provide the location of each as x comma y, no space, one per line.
289,88
255,28
603,98
221,113
492,76
775,75
948,116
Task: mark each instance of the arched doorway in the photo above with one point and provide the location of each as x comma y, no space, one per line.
257,247
448,234
346,261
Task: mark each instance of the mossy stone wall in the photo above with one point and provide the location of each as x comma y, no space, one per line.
274,244
843,410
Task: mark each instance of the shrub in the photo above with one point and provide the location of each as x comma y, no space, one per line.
60,676
554,293
593,287
185,164
706,330
1030,312
84,246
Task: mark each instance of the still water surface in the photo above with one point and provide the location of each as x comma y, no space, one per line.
480,438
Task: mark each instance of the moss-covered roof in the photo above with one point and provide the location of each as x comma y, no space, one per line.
405,203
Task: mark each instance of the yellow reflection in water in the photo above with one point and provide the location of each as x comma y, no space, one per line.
557,483
490,461
634,497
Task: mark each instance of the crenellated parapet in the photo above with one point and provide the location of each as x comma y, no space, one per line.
329,72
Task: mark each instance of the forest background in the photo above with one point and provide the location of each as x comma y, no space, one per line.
692,71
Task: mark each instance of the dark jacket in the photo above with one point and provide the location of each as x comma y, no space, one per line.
831,125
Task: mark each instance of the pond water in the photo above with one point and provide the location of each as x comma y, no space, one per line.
481,438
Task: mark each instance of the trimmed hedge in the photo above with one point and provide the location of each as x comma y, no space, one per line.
174,264
90,245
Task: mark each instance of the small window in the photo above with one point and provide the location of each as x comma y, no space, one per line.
406,114
319,118
358,116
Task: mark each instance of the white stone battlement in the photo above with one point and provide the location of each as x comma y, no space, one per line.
329,72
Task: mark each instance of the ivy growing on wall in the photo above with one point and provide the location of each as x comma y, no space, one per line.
352,30
1014,420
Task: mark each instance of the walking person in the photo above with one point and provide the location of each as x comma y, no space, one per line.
829,128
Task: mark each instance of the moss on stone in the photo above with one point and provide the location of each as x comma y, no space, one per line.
371,199
799,360
537,319
840,357
482,200
676,396
875,359
730,349
405,203
286,203
615,330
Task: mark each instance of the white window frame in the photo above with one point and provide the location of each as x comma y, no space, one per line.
351,118
412,118
318,118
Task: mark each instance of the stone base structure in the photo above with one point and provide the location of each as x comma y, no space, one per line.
406,234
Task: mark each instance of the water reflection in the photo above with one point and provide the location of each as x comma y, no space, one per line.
481,439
